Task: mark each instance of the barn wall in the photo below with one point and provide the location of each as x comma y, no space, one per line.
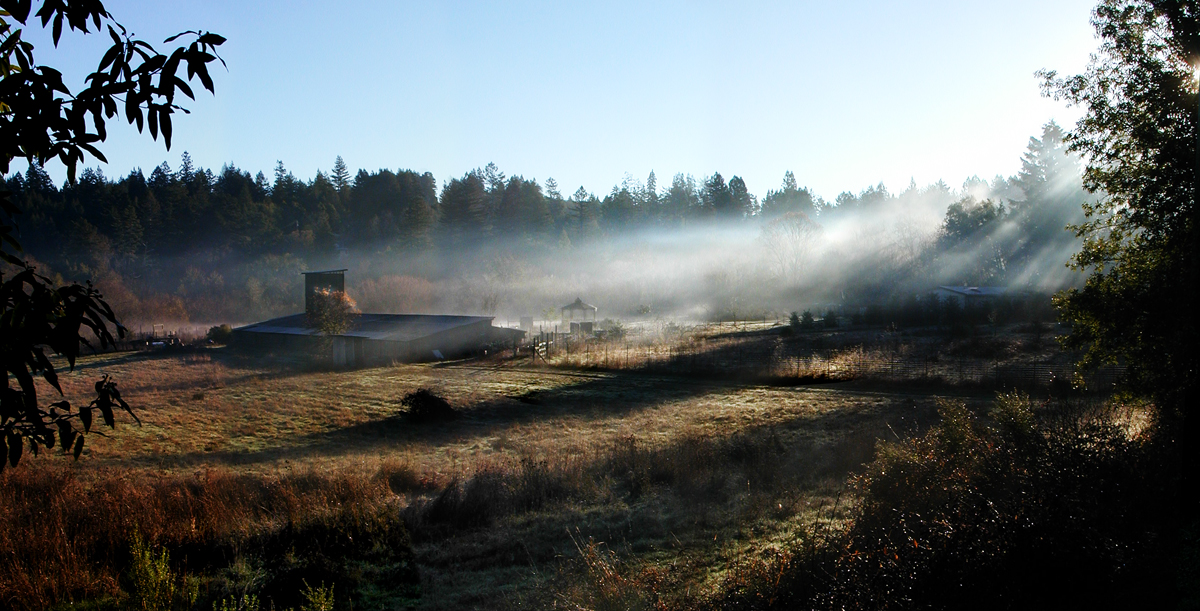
357,352
249,340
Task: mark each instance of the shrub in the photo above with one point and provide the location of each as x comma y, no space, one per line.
317,599
831,319
153,585
1032,507
422,405
807,321
221,334
247,602
613,329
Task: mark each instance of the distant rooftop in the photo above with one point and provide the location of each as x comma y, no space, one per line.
328,271
976,291
387,327
578,304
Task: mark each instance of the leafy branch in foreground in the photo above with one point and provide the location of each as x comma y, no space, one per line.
35,317
1139,138
40,119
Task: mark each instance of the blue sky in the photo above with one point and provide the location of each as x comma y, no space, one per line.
845,94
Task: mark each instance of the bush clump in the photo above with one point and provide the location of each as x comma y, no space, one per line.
807,321
222,334
422,405
1048,506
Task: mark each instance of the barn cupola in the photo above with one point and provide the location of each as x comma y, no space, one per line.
333,280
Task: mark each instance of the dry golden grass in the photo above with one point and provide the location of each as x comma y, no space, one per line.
200,411
685,476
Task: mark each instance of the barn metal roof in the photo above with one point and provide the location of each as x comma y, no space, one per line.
387,327
975,291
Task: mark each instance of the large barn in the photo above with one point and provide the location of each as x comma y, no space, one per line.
376,338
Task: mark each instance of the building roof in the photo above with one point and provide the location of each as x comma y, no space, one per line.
578,304
975,291
387,327
328,271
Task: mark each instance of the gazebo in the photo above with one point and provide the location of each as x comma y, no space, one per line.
578,311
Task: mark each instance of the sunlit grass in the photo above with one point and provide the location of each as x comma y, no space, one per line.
693,474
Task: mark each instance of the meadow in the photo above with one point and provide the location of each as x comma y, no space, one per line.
565,486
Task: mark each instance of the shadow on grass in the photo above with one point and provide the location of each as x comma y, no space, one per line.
239,366
594,398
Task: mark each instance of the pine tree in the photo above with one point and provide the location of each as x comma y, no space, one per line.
742,203
185,168
716,196
340,176
653,212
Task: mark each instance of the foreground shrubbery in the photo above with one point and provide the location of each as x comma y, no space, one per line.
192,542
235,541
1034,507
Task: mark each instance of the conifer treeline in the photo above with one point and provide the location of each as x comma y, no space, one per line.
183,210
131,233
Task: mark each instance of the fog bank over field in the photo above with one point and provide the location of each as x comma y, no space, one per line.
188,244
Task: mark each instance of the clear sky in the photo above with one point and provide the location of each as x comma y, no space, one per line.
845,94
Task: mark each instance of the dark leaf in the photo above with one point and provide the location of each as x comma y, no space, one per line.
66,435
202,72
48,372
78,446
182,85
165,122
211,39
19,9
15,445
110,56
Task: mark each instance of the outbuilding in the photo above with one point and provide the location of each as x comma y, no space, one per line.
376,338
578,311
579,316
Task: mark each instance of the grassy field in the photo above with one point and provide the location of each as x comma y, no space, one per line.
553,487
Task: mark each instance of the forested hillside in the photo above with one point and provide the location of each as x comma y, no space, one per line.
189,243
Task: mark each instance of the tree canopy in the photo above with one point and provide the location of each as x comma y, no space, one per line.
1138,137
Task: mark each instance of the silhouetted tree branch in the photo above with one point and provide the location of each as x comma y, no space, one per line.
41,119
